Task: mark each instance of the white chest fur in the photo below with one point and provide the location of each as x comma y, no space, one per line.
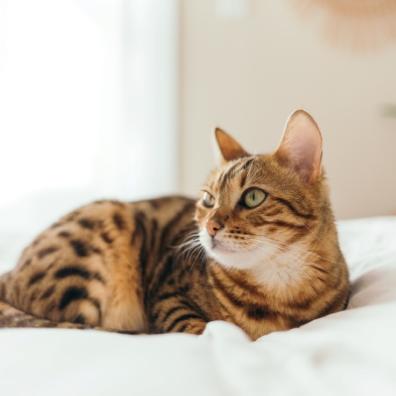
282,270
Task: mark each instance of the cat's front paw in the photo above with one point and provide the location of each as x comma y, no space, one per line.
194,327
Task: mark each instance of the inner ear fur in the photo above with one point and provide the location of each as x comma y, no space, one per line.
301,146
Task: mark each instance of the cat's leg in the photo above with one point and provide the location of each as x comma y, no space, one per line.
82,270
70,299
177,315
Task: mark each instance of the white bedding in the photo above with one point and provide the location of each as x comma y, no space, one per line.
348,353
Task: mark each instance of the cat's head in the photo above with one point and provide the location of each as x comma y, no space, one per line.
255,206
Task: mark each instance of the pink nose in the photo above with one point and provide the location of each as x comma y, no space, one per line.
213,227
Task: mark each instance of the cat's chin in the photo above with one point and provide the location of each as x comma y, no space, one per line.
234,259
230,256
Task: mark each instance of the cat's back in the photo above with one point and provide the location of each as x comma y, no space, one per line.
89,266
104,226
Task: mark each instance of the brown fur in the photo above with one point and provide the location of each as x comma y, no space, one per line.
139,267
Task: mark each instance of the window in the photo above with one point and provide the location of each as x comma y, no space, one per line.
87,106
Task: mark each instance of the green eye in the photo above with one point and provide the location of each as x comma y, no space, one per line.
208,200
253,197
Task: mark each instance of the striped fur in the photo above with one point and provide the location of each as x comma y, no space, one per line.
147,267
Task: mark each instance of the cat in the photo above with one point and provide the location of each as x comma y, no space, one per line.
259,249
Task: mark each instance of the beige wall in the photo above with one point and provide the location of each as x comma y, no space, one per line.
247,74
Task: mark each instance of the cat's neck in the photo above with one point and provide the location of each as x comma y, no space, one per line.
285,272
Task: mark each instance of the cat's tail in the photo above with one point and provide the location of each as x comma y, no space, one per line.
3,285
11,317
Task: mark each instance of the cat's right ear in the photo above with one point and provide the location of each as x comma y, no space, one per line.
229,148
301,146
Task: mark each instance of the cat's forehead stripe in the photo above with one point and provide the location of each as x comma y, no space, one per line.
240,165
246,167
226,175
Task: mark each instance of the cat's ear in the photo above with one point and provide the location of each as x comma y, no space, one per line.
301,146
229,148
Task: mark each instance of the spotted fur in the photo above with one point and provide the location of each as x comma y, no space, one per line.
152,267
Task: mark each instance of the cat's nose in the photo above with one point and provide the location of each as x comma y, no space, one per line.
213,227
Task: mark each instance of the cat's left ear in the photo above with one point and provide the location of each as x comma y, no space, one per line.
301,146
229,148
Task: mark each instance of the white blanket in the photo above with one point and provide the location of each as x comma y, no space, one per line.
347,353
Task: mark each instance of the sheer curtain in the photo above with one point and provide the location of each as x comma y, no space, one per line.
88,102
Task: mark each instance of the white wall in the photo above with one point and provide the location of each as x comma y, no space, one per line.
247,74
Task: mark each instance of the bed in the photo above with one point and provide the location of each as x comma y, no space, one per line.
348,353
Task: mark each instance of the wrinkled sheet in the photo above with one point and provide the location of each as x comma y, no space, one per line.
348,353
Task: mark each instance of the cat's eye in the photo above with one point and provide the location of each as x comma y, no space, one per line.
253,197
208,200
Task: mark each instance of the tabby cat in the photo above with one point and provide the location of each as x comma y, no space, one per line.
259,249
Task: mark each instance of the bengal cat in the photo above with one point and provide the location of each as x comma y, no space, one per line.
259,249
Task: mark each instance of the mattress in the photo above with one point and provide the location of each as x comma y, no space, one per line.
347,353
